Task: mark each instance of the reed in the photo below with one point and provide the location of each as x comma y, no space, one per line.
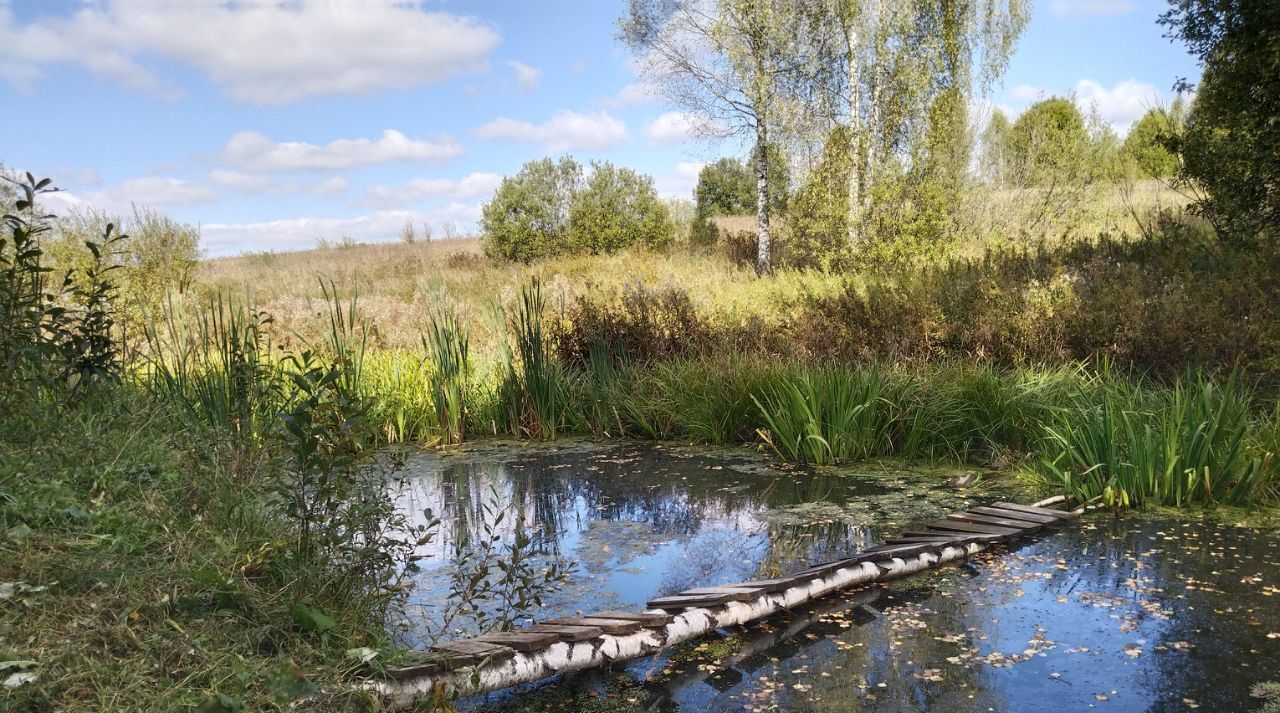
1186,445
446,350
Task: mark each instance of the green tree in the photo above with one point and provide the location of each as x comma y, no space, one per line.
616,209
1147,142
725,187
994,157
1048,143
819,215
528,216
729,64
1231,146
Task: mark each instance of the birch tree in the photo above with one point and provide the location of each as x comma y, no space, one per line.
898,74
729,64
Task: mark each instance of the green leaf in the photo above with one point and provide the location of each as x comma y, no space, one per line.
308,618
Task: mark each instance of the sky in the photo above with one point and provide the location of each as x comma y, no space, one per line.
273,125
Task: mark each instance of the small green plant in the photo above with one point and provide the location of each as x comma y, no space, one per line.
825,415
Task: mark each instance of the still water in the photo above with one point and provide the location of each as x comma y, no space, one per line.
1140,613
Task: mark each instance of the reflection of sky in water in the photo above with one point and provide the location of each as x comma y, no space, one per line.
639,520
1137,614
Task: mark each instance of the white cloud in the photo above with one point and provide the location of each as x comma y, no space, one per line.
672,127
1026,93
265,183
260,52
252,151
156,191
563,131
526,77
304,232
633,94
1122,104
472,185
680,182
1091,8
145,191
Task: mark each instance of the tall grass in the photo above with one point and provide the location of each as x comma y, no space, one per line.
535,390
446,350
217,364
1188,445
826,415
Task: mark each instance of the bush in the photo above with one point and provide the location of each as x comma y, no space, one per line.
1147,141
1048,142
528,216
618,208
547,210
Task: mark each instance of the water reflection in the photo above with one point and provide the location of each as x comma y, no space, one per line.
641,520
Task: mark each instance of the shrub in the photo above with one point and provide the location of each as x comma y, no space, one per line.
1147,141
617,208
528,216
1048,142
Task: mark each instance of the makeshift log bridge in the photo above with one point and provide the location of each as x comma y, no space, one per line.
556,646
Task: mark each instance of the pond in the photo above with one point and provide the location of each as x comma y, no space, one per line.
1140,613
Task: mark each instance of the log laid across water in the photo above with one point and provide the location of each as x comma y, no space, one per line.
566,644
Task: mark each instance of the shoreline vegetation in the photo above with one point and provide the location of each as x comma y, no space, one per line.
198,503
185,521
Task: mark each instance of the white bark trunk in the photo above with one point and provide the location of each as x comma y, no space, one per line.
855,130
564,657
764,239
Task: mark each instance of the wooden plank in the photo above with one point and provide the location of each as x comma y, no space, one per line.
1060,514
677,602
738,594
523,640
980,519
770,586
608,626
947,525
1015,515
901,550
568,632
648,618
940,540
468,652
971,536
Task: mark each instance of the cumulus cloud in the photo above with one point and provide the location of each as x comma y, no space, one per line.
251,151
144,191
1119,105
526,77
272,185
1091,8
563,131
472,185
304,232
680,182
634,94
282,52
672,127
1122,104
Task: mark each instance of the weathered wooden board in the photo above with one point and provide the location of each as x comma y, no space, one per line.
969,536
769,585
678,601
523,640
899,550
737,594
946,525
608,626
1015,515
980,519
568,632
648,618
468,652
1060,514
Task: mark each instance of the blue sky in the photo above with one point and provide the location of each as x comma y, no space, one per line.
273,127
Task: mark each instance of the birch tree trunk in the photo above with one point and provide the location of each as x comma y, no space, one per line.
856,139
763,265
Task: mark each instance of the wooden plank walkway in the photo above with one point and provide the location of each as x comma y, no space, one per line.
571,643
